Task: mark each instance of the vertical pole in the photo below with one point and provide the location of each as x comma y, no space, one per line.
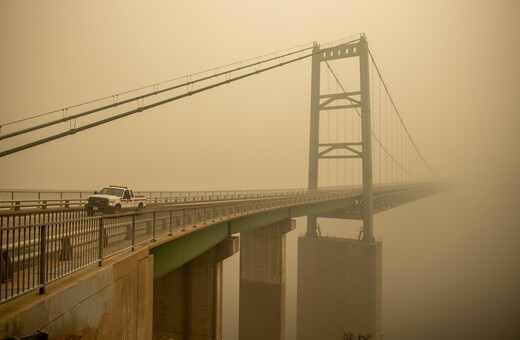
314,133
366,139
43,258
101,241
171,223
133,232
153,227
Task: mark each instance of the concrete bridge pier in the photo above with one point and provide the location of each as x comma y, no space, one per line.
262,282
187,303
339,288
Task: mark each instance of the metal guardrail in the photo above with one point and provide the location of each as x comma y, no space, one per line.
39,248
20,194
17,205
34,253
20,199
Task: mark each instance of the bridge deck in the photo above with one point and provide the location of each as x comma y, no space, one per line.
39,247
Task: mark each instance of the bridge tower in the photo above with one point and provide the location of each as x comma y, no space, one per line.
339,280
357,149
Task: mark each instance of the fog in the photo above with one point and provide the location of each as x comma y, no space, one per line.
451,265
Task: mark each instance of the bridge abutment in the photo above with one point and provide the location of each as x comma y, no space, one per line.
262,282
187,302
339,288
112,301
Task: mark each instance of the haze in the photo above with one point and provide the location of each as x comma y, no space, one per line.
451,262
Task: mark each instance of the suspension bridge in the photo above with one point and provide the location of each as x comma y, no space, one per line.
362,160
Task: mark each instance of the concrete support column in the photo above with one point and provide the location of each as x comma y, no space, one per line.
188,300
339,288
262,282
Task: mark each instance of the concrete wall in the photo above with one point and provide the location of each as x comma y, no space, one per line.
187,301
113,301
262,282
339,288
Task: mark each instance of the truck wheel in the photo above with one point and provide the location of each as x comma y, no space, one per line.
117,209
140,207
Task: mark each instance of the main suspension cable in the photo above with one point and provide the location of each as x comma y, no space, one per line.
137,98
140,99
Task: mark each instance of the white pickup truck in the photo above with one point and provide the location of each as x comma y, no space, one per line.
114,199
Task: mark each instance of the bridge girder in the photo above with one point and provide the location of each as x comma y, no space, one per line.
173,253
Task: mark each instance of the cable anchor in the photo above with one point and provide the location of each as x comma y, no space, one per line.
115,98
189,84
65,114
257,65
72,126
141,104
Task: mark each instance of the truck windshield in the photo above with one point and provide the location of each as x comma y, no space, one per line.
111,191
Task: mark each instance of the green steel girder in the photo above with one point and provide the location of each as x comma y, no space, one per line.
172,254
322,207
343,215
265,218
258,220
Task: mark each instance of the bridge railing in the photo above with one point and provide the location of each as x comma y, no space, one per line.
20,194
37,251
37,199
42,199
17,205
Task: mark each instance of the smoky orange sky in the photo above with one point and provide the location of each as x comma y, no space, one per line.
451,66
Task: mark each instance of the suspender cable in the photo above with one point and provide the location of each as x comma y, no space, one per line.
337,141
372,132
143,108
186,84
399,116
379,125
72,131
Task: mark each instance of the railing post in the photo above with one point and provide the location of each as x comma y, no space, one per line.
133,232
101,238
43,258
171,223
183,220
153,227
